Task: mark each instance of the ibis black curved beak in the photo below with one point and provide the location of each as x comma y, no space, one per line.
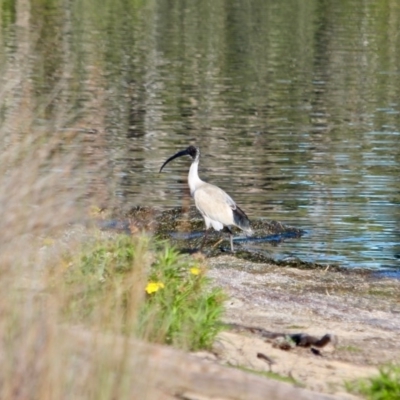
180,154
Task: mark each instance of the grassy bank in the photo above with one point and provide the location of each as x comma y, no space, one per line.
135,286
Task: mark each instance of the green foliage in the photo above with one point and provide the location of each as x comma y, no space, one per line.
385,386
157,294
186,311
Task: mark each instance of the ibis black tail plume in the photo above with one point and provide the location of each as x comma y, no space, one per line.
241,220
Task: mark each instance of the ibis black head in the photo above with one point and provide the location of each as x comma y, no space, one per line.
191,151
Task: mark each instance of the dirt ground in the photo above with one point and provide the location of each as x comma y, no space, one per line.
361,312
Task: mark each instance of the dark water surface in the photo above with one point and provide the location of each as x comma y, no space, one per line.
294,104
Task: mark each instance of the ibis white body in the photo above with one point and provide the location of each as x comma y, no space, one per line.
217,207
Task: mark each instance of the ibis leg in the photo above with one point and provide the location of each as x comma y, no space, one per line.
231,239
204,239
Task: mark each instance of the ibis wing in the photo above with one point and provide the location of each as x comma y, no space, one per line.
215,204
219,208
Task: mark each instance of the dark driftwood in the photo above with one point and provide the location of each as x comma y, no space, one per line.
299,339
167,373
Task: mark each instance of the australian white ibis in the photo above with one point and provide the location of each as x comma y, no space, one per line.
217,207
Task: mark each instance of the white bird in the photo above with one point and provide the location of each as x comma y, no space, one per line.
217,207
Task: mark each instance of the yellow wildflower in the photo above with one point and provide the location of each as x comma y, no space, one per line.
195,271
153,287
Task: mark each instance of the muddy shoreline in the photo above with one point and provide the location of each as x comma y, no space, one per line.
357,307
362,312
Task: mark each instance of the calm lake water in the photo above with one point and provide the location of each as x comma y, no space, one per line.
295,106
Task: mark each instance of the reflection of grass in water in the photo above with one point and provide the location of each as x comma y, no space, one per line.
376,228
354,219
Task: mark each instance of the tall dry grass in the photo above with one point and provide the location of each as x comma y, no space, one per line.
45,191
43,202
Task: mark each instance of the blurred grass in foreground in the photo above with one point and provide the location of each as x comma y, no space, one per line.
63,283
57,275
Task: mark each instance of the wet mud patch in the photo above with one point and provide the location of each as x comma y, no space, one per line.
184,228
